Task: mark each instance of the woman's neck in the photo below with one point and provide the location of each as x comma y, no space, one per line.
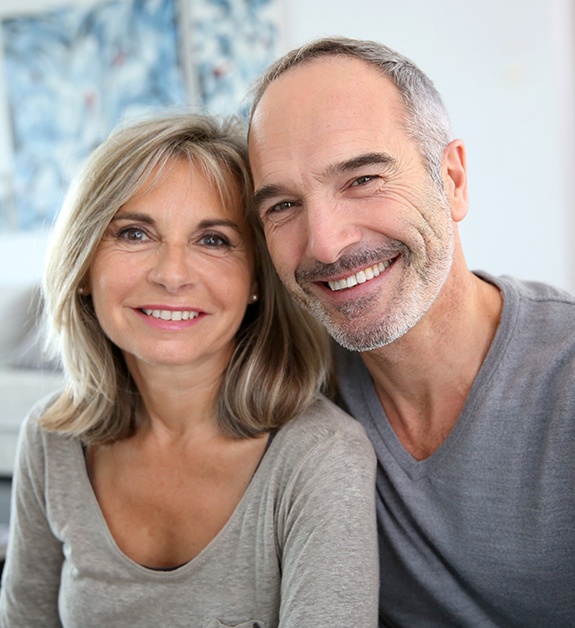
178,400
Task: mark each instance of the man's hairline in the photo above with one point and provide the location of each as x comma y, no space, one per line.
406,115
300,63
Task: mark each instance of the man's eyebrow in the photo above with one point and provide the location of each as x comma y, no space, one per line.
349,165
367,159
269,191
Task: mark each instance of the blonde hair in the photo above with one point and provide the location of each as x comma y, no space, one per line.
281,359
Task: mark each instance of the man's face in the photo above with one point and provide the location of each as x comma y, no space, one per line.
357,230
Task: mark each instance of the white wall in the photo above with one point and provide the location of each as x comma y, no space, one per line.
506,71
22,257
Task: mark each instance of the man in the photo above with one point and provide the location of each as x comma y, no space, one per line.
464,382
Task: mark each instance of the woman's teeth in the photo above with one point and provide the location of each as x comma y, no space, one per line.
360,277
171,315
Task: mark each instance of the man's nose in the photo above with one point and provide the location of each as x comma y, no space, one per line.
173,267
329,232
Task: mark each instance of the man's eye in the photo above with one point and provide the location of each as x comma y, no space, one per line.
279,212
132,234
280,207
362,180
214,240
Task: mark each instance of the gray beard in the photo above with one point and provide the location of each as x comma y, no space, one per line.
412,300
354,336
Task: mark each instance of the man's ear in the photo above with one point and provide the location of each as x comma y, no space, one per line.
454,171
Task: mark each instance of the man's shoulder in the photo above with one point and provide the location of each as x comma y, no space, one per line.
537,325
540,311
535,291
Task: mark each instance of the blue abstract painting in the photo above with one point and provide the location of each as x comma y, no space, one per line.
232,42
74,73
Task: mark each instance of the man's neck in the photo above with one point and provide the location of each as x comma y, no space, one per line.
423,379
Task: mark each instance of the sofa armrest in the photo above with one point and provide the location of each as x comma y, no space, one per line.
19,391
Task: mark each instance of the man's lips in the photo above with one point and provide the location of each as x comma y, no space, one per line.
361,276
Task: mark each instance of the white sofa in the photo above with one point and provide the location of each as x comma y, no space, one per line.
25,375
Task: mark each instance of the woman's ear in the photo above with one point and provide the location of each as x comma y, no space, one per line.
254,292
454,171
84,289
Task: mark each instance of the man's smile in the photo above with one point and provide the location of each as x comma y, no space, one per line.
361,276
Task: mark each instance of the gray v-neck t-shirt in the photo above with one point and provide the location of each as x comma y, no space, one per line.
482,533
299,550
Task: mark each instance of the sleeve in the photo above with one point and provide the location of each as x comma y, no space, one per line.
330,565
31,577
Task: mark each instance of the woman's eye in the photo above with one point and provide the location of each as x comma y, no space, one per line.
132,234
214,240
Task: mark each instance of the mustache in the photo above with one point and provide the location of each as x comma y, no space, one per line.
318,271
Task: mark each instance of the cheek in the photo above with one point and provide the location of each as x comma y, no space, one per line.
109,286
414,221
103,300
104,282
232,282
285,248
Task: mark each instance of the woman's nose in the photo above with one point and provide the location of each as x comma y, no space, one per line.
173,267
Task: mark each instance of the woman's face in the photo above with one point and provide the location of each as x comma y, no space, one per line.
173,274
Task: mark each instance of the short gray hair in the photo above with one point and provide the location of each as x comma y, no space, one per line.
427,120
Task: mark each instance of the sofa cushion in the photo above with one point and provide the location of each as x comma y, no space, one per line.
22,337
19,312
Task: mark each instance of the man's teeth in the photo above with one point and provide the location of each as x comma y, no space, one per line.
360,277
171,315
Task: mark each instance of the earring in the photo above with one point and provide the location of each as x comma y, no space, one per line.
254,298
81,291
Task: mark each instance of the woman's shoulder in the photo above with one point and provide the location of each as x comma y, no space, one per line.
323,414
323,425
45,457
321,452
32,433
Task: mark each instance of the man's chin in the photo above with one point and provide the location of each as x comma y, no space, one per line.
365,340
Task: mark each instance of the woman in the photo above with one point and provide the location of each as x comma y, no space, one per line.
190,474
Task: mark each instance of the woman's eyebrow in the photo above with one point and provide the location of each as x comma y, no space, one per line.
207,223
204,224
136,216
